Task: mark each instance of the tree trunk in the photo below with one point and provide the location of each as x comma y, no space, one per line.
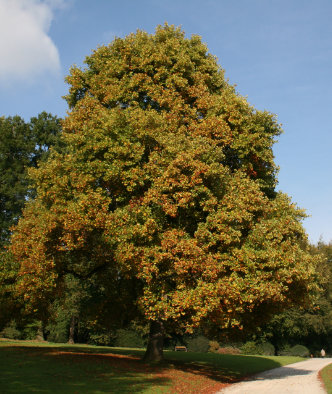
154,350
40,333
72,330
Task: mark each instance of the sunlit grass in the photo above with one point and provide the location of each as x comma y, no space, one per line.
326,374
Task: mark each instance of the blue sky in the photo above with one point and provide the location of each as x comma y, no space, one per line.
277,52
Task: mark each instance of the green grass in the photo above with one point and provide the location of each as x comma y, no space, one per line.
30,367
326,374
236,366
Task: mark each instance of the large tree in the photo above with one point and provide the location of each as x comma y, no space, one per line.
167,182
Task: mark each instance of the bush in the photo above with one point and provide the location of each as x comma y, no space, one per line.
250,347
297,350
57,331
229,350
285,351
199,344
300,351
128,338
214,346
266,349
11,331
101,339
33,330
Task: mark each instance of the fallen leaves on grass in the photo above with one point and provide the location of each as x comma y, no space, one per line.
184,379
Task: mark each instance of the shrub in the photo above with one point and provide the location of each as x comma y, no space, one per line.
250,347
285,351
266,349
11,331
57,331
214,346
300,351
33,330
199,344
229,350
297,350
128,338
101,338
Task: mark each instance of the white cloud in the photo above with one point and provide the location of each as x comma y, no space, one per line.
26,49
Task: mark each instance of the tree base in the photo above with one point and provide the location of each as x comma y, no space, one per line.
154,351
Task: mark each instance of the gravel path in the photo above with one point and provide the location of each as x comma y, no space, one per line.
298,378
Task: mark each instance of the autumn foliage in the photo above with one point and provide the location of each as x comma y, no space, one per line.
167,177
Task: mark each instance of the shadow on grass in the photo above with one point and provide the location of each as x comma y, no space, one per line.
222,368
47,368
57,370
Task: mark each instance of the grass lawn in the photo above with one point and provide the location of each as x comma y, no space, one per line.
326,375
31,367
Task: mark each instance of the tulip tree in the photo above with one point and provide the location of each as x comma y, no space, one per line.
167,177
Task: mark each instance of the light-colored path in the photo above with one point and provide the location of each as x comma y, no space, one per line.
298,378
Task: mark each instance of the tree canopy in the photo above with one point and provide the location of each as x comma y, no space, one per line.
167,178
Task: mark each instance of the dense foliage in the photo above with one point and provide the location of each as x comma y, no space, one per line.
309,326
22,145
165,192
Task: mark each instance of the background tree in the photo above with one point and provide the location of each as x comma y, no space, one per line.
86,309
22,145
307,326
167,180
45,130
15,150
9,305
